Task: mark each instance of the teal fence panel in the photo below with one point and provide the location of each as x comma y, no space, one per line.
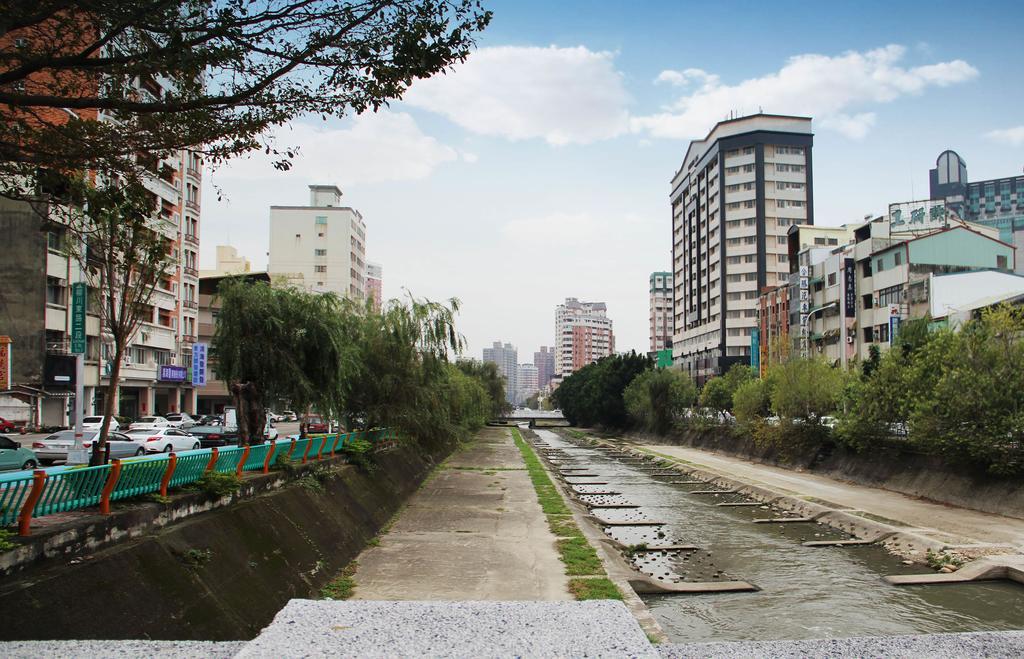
14,488
72,489
190,467
257,454
227,459
300,448
140,477
339,441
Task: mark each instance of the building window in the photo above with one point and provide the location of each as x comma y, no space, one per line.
1001,262
55,240
321,219
320,252
898,258
137,355
320,268
55,291
879,265
891,295
831,279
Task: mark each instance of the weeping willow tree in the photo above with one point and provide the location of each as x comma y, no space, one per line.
281,344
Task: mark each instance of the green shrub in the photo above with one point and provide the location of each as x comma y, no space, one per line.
218,484
360,454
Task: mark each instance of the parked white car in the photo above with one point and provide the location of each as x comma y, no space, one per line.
147,422
164,440
55,447
180,420
96,422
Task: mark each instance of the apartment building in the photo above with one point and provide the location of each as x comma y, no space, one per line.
506,357
544,360
661,311
526,382
733,200
38,271
320,247
997,203
583,334
228,262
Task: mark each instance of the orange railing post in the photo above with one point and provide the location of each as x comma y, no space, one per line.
291,448
108,487
309,445
242,461
172,463
25,518
323,443
333,442
270,456
213,459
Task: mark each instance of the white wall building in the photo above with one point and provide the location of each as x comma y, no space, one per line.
661,311
526,381
320,247
733,199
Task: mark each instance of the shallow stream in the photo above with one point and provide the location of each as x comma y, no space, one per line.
805,592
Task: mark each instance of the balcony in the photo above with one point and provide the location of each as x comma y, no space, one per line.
194,173
188,338
191,305
190,239
191,272
192,205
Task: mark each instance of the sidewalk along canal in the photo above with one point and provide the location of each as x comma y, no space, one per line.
473,531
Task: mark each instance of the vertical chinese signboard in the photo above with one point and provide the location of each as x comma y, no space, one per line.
755,351
199,365
78,318
5,362
805,308
850,288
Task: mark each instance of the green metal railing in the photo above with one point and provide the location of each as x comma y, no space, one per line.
26,495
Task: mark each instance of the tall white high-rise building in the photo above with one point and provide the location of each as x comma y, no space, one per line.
507,358
320,247
583,334
733,199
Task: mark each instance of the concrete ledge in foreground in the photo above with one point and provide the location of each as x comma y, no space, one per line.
991,645
308,628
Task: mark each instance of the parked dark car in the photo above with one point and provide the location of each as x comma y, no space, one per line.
210,436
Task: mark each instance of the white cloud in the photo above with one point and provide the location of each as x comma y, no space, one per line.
558,228
1014,135
382,146
823,87
563,95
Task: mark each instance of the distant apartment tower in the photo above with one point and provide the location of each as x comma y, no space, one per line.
320,247
526,382
583,334
375,284
507,358
544,360
661,311
733,199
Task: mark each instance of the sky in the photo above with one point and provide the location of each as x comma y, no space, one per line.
539,169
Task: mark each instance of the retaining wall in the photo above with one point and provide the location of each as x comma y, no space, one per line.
216,575
890,468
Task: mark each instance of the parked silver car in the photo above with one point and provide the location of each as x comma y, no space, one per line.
55,447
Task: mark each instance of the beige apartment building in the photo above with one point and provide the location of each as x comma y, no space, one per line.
733,200
320,247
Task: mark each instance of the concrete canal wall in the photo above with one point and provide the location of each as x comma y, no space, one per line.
221,574
913,474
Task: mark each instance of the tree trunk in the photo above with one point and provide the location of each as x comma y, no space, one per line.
99,454
249,410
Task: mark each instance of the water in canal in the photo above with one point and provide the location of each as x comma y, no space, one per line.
805,592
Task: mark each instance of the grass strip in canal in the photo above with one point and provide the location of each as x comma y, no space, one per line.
581,561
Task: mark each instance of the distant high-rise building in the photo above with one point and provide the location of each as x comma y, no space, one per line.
661,311
583,334
733,200
544,360
526,382
375,284
320,247
507,358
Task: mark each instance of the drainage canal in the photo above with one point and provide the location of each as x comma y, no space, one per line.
732,578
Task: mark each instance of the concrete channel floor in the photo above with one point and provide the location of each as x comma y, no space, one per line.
945,523
474,531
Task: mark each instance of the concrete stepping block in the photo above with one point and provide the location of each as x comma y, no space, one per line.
366,628
635,522
714,491
783,520
739,504
642,550
611,506
687,482
649,586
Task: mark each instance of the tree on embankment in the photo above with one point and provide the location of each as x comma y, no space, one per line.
593,395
